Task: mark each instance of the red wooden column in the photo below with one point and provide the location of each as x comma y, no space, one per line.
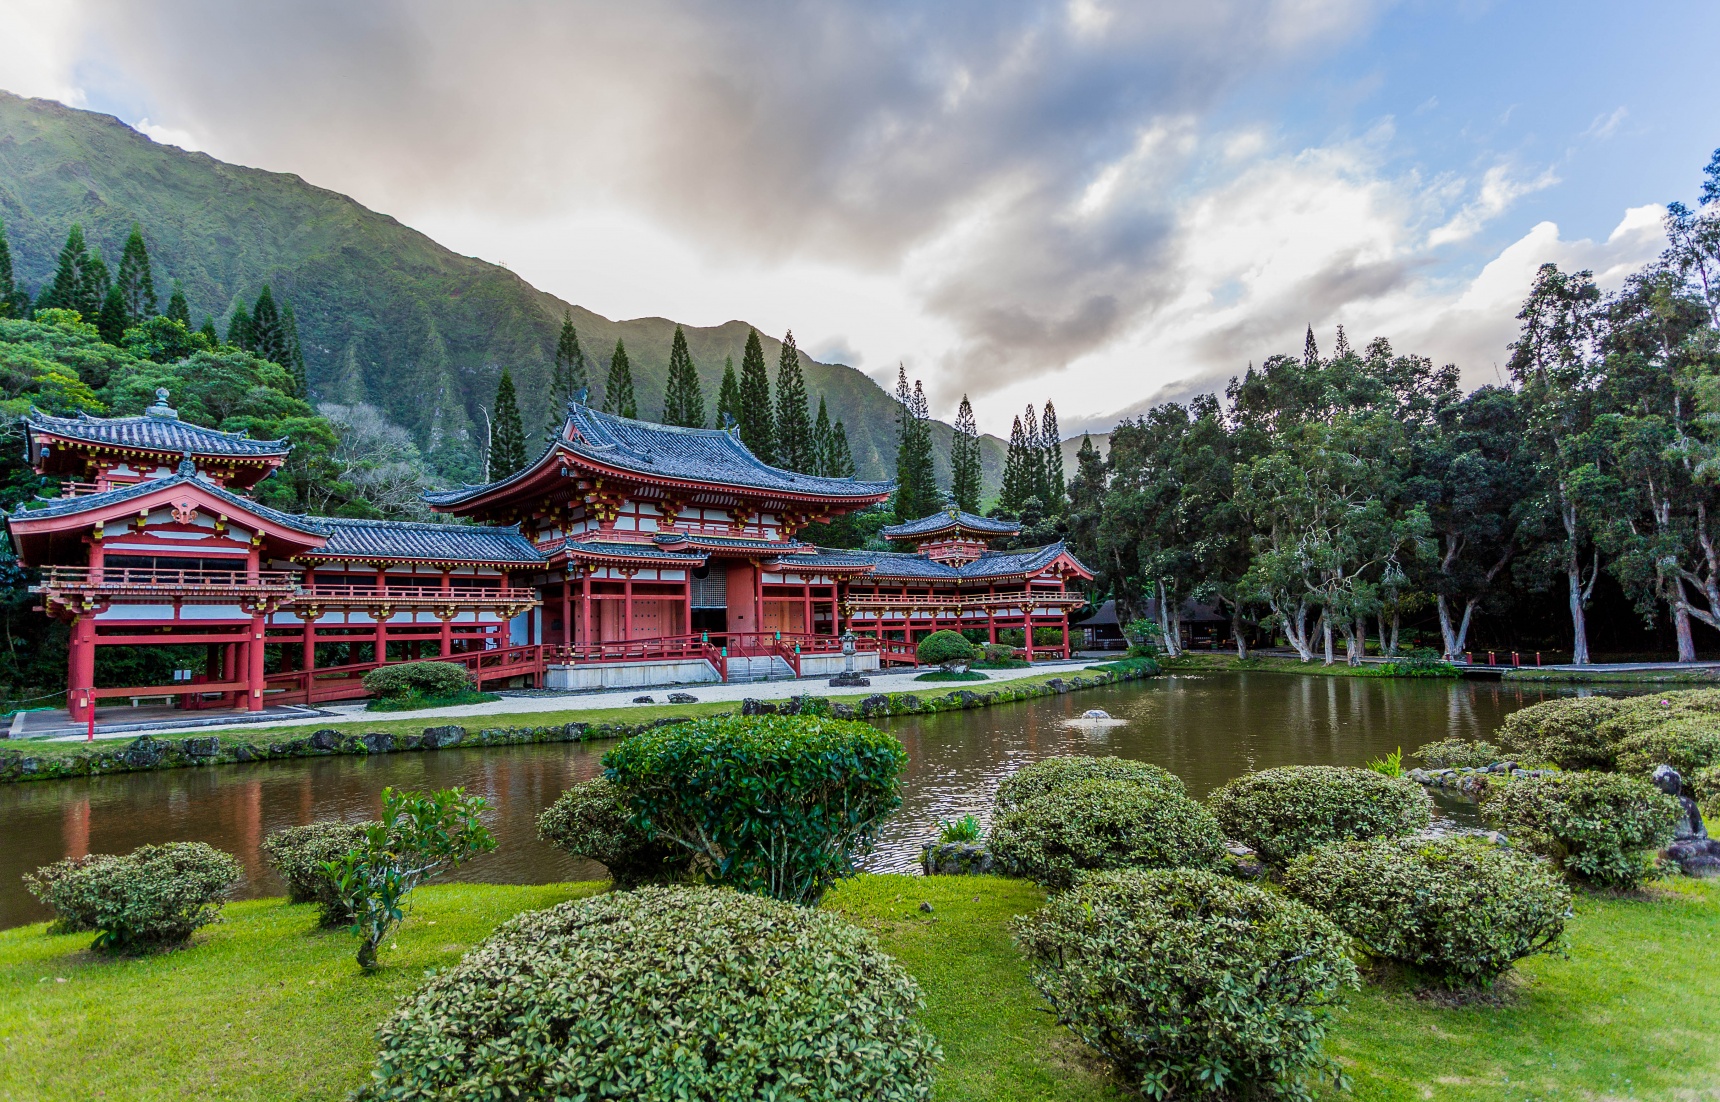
687,601
254,664
448,618
81,679
991,614
1027,622
309,658
627,604
758,596
806,599
381,620
585,606
1066,633
566,611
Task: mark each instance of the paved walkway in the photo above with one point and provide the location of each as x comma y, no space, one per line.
522,706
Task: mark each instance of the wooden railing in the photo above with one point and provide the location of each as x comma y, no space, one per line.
146,582
408,597
715,647
330,683
864,603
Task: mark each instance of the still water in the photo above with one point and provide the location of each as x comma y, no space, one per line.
1206,728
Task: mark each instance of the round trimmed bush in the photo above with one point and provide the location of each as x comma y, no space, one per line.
1104,824
591,820
1563,732
1638,714
1284,813
778,805
1458,753
1600,828
1705,787
154,897
658,994
1689,744
432,679
1174,974
1462,910
1042,777
944,648
298,854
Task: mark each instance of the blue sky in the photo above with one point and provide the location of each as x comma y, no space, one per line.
1109,204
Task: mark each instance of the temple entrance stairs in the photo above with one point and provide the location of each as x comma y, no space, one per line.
759,667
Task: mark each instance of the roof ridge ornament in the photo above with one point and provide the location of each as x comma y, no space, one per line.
161,410
187,468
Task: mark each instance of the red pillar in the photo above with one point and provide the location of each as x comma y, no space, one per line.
806,599
1027,628
585,607
758,597
309,658
381,620
254,672
687,602
447,619
81,677
566,611
627,605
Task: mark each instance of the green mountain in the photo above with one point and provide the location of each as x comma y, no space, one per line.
385,314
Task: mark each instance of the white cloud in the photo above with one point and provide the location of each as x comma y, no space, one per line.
39,49
167,135
1606,125
1499,189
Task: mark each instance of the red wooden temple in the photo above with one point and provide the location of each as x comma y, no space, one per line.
628,553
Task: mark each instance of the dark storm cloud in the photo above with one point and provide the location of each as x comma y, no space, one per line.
854,133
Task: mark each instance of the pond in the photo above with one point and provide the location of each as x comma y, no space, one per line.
1206,728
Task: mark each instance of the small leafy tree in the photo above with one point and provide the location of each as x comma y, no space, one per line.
419,838
945,648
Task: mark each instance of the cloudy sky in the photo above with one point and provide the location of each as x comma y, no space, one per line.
1100,202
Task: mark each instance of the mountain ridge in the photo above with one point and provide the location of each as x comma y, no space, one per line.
386,314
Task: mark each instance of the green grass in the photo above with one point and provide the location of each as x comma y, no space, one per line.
265,1006
413,702
627,714
1616,677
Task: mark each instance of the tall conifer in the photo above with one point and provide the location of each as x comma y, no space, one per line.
1310,350
1052,458
1033,455
209,333
110,322
729,397
618,388
1017,474
80,279
507,434
8,288
758,427
683,401
239,328
793,420
268,338
295,362
841,458
177,308
916,483
135,280
965,459
821,440
568,377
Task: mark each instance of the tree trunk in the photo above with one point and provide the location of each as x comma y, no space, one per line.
1356,642
1168,635
1236,632
1326,636
1681,621
1391,649
1574,576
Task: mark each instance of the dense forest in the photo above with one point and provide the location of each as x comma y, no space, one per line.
1358,497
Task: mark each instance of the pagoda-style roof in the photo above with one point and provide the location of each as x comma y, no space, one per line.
742,544
951,521
674,459
991,566
167,435
46,508
406,541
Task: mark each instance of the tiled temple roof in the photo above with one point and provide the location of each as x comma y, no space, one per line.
70,506
667,451
621,549
902,564
948,520
154,433
392,539
728,543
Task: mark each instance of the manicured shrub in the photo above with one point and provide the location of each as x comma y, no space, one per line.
1462,910
430,679
1048,775
663,993
1191,984
775,805
300,856
1100,824
944,648
591,820
1689,744
1638,714
1458,753
154,897
1286,812
999,655
1705,789
421,836
1600,828
1564,732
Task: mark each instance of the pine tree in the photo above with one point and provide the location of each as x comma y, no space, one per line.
1055,487
80,280
177,308
239,328
618,388
1341,346
295,364
683,401
110,322
568,376
507,434
267,338
135,280
1033,457
209,333
1310,351
916,484
841,458
793,421
728,397
821,440
965,459
8,289
758,427
1017,476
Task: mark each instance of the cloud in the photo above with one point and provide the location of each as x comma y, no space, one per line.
167,135
1499,189
1607,124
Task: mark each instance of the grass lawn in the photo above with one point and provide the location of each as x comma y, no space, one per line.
264,1006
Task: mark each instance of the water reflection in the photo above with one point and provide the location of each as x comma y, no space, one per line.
1205,728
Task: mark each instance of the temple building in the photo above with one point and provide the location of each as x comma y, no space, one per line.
628,553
